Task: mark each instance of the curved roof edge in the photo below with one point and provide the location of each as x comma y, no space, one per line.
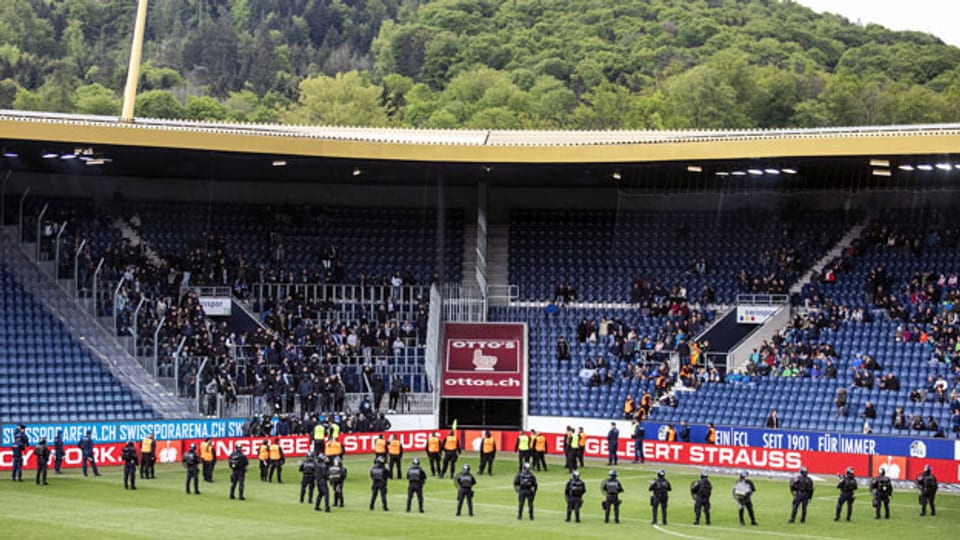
481,145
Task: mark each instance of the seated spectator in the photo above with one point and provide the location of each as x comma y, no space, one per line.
563,351
890,382
955,424
899,420
917,423
932,424
918,396
841,402
869,412
773,422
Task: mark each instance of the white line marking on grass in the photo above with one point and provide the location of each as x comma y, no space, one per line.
674,533
764,532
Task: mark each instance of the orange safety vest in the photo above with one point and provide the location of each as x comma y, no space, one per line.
264,452
380,446
395,448
450,444
206,451
489,445
540,443
275,452
671,434
146,445
628,406
582,439
711,435
433,445
333,448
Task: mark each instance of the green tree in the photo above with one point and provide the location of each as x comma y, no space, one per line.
158,104
345,100
206,108
97,99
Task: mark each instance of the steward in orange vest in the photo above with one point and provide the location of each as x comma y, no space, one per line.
208,458
263,454
433,453
488,451
395,449
380,448
539,450
277,460
333,449
451,452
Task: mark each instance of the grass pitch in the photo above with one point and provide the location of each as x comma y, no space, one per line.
76,507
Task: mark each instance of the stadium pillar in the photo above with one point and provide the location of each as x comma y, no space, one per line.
133,71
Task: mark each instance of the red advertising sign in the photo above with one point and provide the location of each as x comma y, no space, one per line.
484,360
106,455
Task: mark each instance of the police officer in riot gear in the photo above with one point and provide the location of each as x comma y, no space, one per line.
379,476
881,488
416,477
130,462
337,473
611,488
191,461
323,486
308,477
660,488
701,491
574,492
238,470
42,453
525,483
20,444
465,482
86,450
802,489
847,487
743,491
927,484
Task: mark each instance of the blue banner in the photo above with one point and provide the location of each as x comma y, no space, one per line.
111,432
818,441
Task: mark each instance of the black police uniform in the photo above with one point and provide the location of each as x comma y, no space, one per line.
802,489
847,486
42,453
701,491
59,452
337,473
638,434
379,475
308,476
882,489
745,498
86,450
416,477
192,462
927,484
323,487
465,482
573,492
130,462
661,494
612,489
238,471
526,485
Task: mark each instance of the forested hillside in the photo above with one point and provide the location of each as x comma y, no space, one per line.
505,64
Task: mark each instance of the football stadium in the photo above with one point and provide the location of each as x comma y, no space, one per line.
243,330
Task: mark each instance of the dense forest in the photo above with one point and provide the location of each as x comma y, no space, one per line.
502,64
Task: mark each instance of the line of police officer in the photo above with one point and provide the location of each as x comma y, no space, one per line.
319,469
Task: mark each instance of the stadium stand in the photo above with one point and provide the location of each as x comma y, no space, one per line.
45,374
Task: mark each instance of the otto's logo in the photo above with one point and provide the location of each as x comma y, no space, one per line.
918,449
485,355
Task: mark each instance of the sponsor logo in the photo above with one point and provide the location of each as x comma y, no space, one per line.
918,449
484,355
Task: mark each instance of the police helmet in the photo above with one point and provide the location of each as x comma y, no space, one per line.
613,473
743,474
661,473
43,440
803,471
703,475
883,472
379,459
526,466
416,462
575,475
926,468
193,446
466,468
336,460
849,471
129,443
236,447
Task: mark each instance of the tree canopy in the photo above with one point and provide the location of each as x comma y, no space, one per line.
498,64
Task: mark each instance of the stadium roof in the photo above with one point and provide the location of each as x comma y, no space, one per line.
184,149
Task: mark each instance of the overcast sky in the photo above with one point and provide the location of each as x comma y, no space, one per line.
938,17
